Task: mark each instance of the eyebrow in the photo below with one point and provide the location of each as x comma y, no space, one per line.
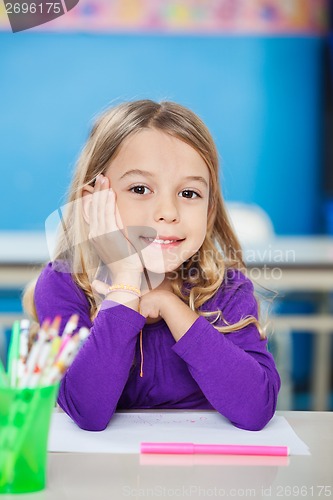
145,173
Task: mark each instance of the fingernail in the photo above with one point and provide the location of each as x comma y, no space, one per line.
101,178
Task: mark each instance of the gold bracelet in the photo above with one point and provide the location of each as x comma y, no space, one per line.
125,288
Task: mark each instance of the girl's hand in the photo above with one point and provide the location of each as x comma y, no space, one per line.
177,315
107,234
153,304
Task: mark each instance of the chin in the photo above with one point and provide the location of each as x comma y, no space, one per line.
160,269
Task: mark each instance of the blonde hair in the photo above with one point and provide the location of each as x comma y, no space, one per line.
220,250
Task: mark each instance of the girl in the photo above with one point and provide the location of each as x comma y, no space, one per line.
147,233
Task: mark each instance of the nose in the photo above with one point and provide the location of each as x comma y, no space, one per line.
166,209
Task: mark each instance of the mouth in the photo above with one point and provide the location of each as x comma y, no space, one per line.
163,242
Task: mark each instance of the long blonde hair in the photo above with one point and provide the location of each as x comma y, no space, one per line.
220,250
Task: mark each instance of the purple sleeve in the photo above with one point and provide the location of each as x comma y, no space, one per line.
92,386
235,371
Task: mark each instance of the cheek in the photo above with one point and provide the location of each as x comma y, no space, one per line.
129,214
200,234
197,235
200,227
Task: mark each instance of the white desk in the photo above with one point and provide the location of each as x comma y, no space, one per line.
292,263
84,476
284,264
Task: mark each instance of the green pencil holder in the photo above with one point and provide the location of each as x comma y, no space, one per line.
25,416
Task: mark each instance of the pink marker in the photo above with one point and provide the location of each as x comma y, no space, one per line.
213,449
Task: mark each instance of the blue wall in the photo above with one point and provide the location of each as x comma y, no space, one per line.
260,97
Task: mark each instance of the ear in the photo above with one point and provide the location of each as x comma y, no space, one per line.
86,200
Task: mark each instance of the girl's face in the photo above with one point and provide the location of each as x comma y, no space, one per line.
162,188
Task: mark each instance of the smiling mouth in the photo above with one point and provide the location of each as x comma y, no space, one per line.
156,241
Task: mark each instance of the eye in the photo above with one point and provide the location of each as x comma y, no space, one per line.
188,193
139,189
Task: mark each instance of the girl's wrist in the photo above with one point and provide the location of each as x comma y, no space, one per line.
131,279
124,298
124,293
120,287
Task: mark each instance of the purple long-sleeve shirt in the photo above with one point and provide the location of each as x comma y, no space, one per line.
232,373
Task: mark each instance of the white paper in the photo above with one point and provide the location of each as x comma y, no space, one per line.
127,430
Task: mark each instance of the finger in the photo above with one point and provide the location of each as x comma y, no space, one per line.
144,311
94,208
110,219
116,223
100,197
111,213
103,182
